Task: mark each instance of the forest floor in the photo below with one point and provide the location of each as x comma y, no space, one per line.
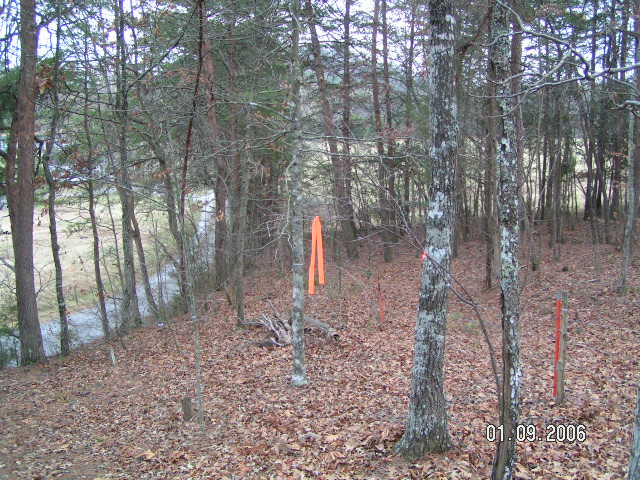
82,418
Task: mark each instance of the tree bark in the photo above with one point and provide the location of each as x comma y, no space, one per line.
426,426
142,262
129,306
346,121
409,109
19,174
508,199
104,319
220,185
51,200
634,463
299,377
632,194
490,168
383,194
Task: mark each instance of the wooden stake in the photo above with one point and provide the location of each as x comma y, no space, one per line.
187,409
112,355
561,358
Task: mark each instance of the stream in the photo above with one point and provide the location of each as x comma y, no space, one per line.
85,325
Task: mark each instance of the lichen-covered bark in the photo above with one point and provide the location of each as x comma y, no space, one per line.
634,464
426,427
507,169
299,377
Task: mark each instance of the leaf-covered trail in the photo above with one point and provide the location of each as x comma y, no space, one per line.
80,417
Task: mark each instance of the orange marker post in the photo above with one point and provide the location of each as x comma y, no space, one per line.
560,350
557,352
316,249
380,304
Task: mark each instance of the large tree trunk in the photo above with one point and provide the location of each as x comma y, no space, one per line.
299,377
338,163
19,174
220,185
508,199
426,426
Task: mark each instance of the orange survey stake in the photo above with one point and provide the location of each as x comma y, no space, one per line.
316,246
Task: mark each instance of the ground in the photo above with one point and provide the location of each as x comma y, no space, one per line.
82,418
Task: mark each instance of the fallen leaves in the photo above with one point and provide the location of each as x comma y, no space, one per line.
82,413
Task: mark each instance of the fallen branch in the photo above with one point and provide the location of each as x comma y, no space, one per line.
280,330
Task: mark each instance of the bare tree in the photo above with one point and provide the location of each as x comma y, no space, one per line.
426,426
299,377
508,199
51,201
129,305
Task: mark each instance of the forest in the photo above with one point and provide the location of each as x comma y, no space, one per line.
463,177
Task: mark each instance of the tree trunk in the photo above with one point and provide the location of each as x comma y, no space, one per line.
151,136
409,109
389,158
19,175
490,170
142,262
508,199
383,194
634,463
51,200
220,186
241,241
337,162
426,426
299,377
346,121
634,155
129,305
104,319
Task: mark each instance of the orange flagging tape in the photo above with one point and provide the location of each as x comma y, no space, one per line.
316,246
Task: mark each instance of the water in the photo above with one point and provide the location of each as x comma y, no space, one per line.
85,326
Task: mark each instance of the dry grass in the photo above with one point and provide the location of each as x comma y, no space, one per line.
76,242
